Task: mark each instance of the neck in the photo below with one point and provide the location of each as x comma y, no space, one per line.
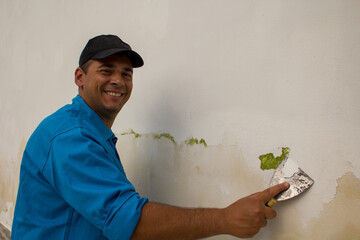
107,122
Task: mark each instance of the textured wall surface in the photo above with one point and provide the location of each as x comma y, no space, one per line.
4,233
246,76
214,176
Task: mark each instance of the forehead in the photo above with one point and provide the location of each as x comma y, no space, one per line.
114,60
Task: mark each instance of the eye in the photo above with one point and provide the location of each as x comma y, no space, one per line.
127,75
106,71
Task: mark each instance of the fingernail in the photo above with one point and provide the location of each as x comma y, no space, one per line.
286,184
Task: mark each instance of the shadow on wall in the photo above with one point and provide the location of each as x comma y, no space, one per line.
4,233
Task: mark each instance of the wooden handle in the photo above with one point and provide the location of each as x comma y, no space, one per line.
272,202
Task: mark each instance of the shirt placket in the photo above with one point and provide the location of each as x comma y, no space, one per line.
115,156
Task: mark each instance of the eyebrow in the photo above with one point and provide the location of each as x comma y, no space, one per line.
128,69
112,66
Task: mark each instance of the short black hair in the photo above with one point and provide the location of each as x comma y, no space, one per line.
85,66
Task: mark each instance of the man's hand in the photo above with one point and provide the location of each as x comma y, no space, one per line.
247,216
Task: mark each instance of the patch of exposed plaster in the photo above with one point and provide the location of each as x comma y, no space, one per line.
269,161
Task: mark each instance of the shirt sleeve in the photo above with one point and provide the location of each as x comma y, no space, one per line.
85,176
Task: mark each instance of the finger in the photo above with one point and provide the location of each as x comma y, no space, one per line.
274,190
269,213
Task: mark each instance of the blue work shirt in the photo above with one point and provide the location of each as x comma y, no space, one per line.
72,183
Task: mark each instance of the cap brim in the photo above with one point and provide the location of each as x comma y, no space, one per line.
135,58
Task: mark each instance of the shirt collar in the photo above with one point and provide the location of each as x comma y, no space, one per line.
94,118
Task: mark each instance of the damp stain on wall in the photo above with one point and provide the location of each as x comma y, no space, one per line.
194,176
4,233
339,219
214,176
9,181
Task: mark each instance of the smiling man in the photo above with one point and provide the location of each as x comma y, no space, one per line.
106,86
73,185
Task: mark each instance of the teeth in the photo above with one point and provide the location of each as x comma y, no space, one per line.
114,94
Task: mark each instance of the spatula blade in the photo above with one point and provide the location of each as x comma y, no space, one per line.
289,171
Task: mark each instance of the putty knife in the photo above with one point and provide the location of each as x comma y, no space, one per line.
289,171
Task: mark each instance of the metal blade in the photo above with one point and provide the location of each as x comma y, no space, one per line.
289,171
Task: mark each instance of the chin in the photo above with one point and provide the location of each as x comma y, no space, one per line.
114,110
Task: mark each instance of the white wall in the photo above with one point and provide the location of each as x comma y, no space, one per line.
247,76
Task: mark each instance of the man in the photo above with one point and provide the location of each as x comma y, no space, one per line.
72,183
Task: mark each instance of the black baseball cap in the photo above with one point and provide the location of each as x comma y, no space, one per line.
103,46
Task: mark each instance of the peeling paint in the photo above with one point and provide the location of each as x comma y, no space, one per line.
191,141
132,132
164,135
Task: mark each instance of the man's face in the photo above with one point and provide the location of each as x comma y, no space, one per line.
106,86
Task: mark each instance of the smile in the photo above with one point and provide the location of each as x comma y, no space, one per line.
114,94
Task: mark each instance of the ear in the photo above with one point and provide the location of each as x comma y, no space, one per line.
79,77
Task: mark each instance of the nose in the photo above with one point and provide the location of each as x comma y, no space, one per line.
117,80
